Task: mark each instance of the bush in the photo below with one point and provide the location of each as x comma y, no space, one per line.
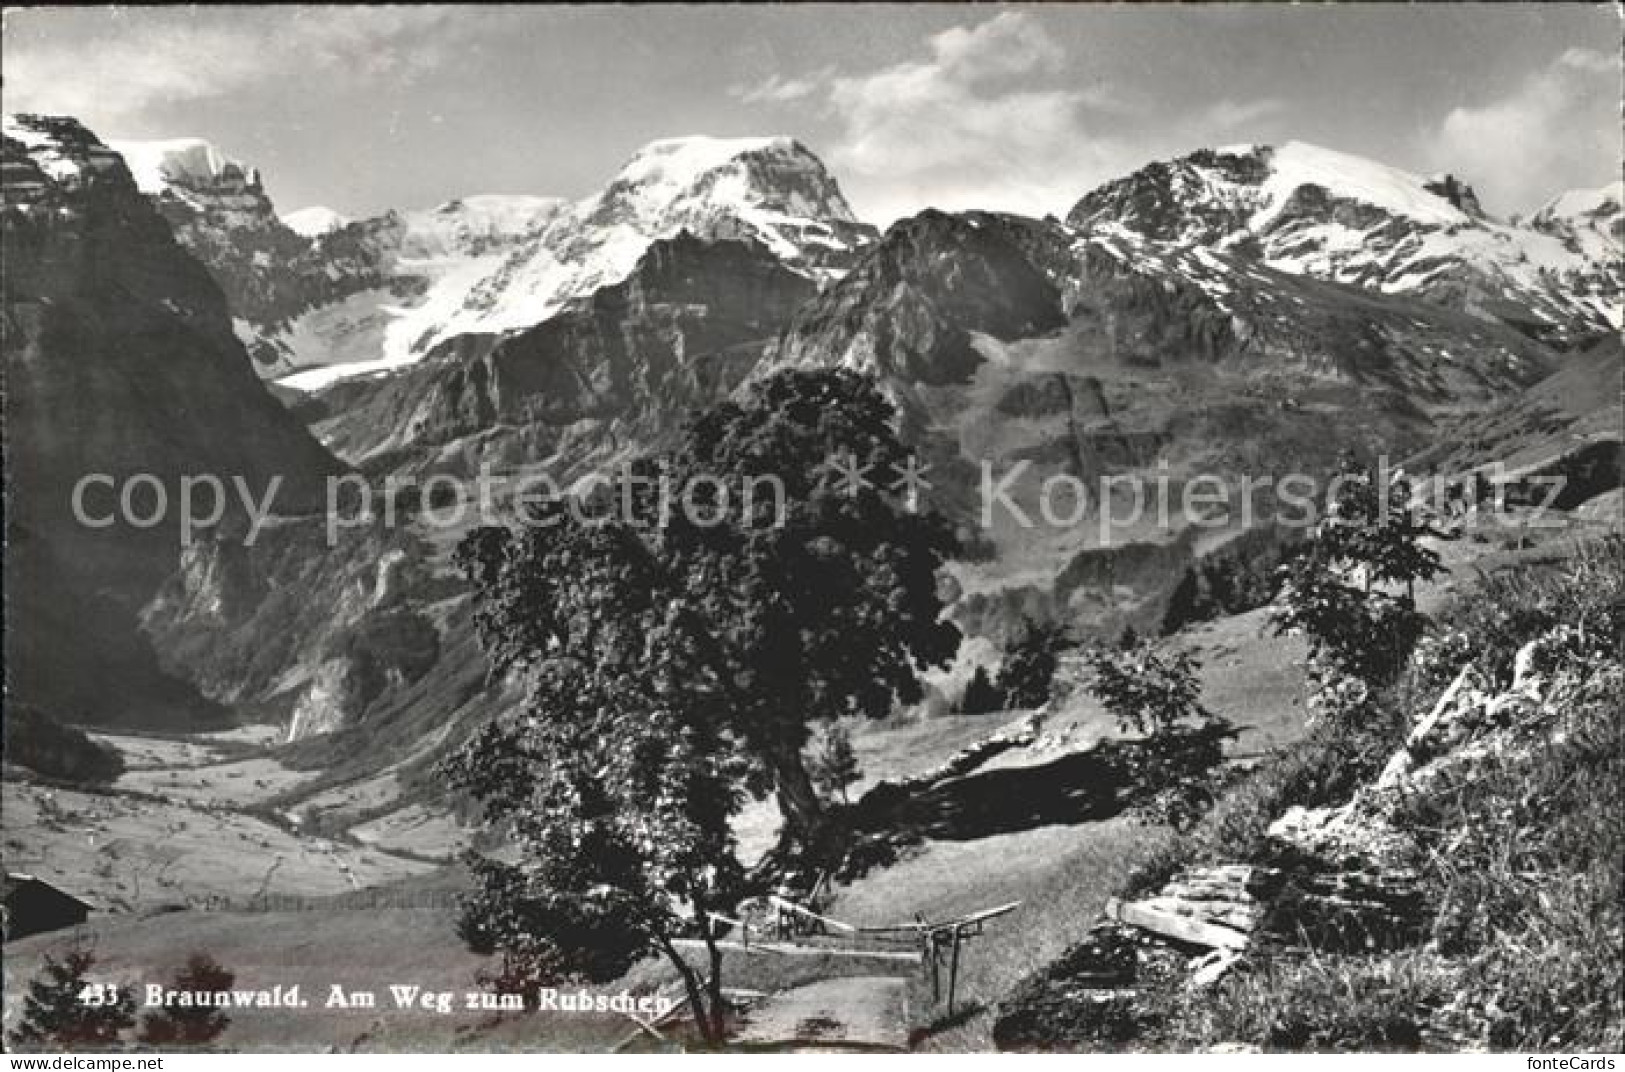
982,697
834,765
60,1013
189,1026
1027,678
1157,695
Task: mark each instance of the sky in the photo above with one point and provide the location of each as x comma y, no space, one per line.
1016,107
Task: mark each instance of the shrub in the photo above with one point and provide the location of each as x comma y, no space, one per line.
834,766
981,695
1157,695
190,1026
1027,678
65,1009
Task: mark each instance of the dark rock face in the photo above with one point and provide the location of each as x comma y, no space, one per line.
1166,200
681,332
268,273
120,359
910,306
1456,192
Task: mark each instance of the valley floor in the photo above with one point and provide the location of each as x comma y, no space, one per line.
181,827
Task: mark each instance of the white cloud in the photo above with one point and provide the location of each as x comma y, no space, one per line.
1556,130
142,64
1225,116
775,90
980,123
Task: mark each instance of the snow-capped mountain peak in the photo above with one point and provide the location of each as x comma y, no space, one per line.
772,175
477,224
315,221
192,163
1601,202
1332,215
770,190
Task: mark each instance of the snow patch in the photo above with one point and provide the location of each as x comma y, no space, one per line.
1343,175
157,166
315,221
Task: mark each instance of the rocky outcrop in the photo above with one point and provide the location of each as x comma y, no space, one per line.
1471,727
221,214
911,308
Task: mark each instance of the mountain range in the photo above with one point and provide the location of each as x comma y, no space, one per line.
1238,310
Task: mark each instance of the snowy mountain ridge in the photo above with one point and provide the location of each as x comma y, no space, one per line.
769,190
1331,215
180,163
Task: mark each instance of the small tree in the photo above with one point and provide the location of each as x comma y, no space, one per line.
1027,678
65,1009
1337,592
1157,695
981,695
190,1026
835,764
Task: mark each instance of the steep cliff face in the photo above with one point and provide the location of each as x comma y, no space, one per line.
219,211
120,359
313,289
911,306
1338,217
613,368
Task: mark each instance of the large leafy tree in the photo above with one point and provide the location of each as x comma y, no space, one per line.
824,601
674,659
811,597
617,778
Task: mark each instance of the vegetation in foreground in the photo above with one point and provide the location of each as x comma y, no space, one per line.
1519,858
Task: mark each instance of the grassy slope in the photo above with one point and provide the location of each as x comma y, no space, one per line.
1522,866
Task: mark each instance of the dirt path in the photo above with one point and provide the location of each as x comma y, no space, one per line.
860,1011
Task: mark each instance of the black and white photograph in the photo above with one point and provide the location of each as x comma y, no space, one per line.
936,528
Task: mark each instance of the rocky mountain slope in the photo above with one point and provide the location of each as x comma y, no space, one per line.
769,190
529,334
320,298
221,214
316,289
1022,352
1312,211
616,368
120,359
